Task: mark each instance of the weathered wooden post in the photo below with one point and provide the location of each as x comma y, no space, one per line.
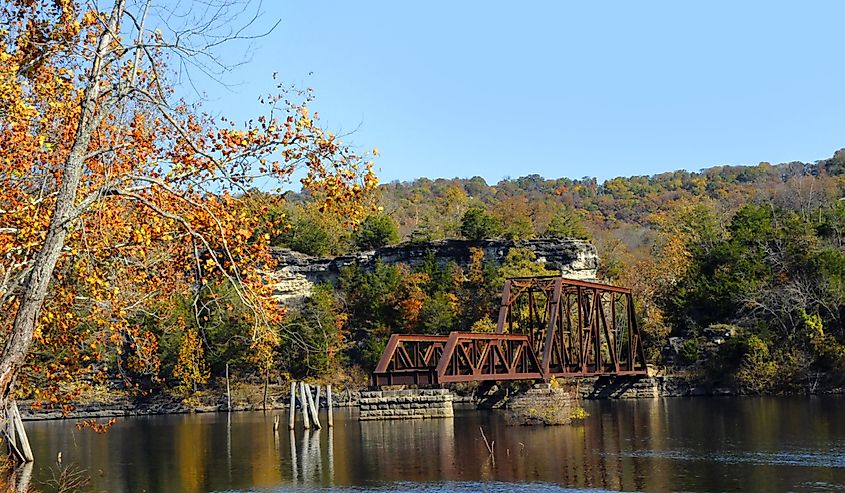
307,422
16,435
24,478
10,435
228,390
317,399
25,448
292,413
314,415
293,453
331,454
329,399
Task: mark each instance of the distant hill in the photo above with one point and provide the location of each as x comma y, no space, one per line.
435,206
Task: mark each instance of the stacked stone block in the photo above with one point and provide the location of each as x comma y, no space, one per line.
541,405
541,394
405,404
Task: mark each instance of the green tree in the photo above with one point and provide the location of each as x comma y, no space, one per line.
376,231
521,262
478,224
439,313
308,236
479,293
314,232
566,224
371,303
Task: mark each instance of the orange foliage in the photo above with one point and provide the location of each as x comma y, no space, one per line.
164,202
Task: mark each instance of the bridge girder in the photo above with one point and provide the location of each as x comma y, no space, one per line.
547,326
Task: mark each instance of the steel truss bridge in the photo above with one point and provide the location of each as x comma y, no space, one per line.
547,327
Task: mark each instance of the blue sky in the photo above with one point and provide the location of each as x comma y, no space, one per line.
603,89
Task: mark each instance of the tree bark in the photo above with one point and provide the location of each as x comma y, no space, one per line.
36,287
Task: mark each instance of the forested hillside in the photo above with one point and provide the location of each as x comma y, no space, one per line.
744,264
740,270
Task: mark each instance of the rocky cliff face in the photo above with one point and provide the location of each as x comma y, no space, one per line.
297,273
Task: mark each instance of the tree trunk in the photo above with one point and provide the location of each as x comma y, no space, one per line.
36,287
266,383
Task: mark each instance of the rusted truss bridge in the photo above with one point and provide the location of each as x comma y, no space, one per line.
548,326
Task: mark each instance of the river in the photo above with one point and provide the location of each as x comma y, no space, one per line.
693,444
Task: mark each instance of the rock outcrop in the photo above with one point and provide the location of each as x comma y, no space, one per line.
297,273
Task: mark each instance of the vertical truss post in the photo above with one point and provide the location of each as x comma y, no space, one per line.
553,303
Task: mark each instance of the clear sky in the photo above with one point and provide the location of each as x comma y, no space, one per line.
573,89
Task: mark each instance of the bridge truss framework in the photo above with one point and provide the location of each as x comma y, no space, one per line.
547,326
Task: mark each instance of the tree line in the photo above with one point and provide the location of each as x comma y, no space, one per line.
134,237
739,265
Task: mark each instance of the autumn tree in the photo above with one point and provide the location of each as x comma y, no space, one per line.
115,196
514,217
191,368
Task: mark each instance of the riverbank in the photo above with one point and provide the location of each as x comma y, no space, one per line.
103,403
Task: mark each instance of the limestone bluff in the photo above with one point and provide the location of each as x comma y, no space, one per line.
297,273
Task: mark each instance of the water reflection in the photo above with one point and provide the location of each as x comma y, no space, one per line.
772,444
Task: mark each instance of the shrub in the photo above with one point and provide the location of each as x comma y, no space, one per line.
758,372
578,413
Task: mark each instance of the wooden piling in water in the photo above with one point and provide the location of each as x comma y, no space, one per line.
313,408
305,412
10,434
292,411
16,435
228,391
24,441
294,468
24,478
329,399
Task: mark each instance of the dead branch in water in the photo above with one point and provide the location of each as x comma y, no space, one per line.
489,445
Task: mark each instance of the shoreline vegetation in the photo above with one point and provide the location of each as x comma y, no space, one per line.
157,283
100,403
738,276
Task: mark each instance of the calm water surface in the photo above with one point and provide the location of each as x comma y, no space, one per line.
701,444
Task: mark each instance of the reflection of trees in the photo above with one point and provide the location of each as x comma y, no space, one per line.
641,445
410,450
191,442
